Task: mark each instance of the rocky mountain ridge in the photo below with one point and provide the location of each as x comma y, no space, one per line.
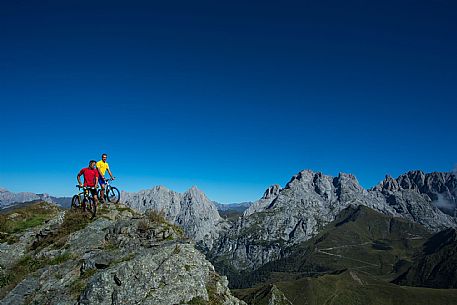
311,200
440,188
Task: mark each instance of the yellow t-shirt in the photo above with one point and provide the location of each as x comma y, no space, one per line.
102,167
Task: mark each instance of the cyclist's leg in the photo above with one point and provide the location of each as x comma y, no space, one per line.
94,195
93,201
102,190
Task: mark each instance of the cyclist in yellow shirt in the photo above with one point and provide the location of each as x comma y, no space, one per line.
102,167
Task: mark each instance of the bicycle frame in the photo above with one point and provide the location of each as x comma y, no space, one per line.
110,192
84,194
107,186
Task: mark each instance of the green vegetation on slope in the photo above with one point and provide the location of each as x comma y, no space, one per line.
351,288
434,266
352,261
15,221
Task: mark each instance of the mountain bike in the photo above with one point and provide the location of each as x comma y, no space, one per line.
85,200
112,194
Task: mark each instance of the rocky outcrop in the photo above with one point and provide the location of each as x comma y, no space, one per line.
119,258
309,201
192,210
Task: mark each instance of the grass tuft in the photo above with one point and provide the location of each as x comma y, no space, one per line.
74,220
78,286
156,216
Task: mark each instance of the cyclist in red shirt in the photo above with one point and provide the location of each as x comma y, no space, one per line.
90,178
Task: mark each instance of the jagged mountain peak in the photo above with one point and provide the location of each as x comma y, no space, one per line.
312,178
389,183
271,191
347,183
194,188
161,188
347,177
303,176
197,196
192,210
418,180
438,187
195,191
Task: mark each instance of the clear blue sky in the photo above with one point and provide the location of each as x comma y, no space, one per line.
231,97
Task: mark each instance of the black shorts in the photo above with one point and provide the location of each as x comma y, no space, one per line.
92,191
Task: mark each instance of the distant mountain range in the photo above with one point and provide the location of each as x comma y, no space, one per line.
239,207
8,199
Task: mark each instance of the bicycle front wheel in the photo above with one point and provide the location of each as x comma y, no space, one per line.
113,195
90,206
75,202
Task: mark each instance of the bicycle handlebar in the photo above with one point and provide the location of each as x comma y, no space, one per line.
86,187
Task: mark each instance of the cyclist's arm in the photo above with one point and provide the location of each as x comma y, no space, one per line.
110,173
99,173
78,178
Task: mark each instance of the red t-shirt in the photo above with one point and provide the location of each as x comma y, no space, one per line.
89,176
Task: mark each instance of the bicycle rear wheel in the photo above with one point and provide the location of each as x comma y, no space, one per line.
75,202
113,194
99,195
